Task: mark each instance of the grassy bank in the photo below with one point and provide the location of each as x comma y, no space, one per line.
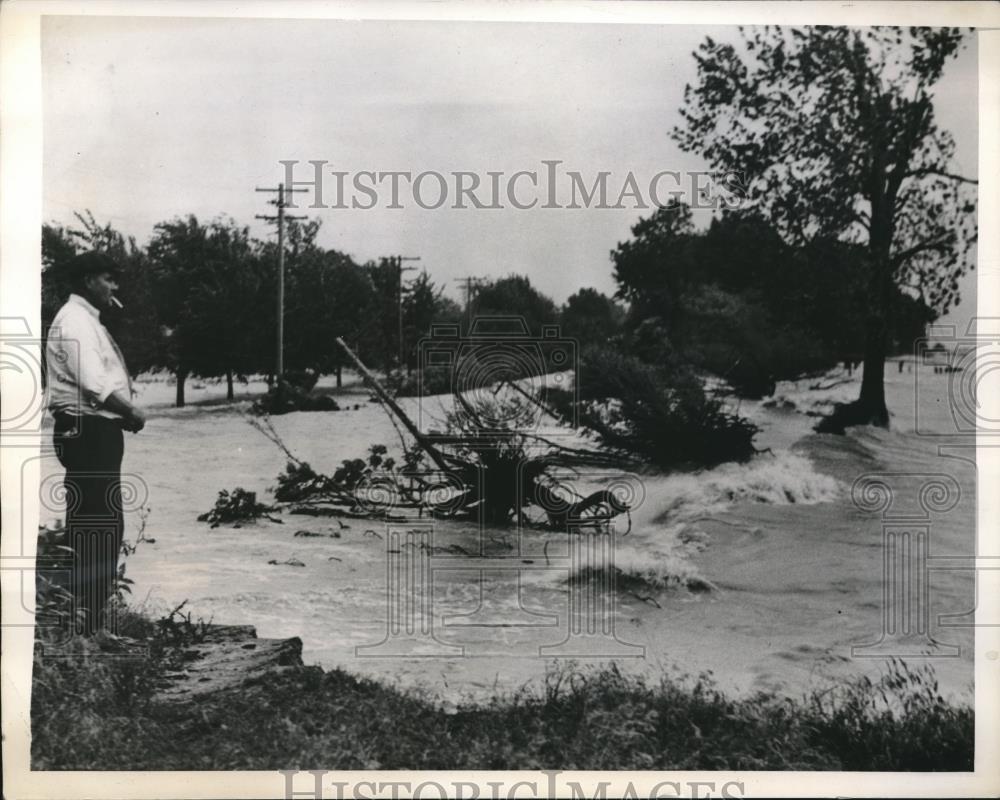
91,712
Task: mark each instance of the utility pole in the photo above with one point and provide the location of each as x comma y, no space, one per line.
280,202
471,284
399,298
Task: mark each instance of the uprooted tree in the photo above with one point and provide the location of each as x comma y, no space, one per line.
477,470
832,132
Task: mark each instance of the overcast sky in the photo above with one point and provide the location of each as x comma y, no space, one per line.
150,118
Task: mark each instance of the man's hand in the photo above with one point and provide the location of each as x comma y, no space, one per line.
135,421
132,418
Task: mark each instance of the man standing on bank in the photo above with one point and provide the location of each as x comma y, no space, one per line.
90,397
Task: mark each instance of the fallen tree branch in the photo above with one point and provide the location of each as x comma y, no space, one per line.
266,427
387,400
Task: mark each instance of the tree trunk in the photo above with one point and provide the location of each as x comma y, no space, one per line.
340,377
871,403
870,407
182,374
229,385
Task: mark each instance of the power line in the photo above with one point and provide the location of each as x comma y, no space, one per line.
280,219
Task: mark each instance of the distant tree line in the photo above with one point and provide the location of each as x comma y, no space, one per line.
200,300
735,300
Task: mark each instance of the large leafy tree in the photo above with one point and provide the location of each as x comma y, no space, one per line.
833,134
423,302
514,296
327,295
209,283
591,318
222,313
655,266
379,335
354,304
417,303
308,293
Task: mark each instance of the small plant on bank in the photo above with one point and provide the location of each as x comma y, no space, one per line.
177,629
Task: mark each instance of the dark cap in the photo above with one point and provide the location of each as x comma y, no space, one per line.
91,263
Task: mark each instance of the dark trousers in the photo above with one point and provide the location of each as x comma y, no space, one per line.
90,448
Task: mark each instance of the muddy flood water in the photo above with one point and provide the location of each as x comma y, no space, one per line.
768,574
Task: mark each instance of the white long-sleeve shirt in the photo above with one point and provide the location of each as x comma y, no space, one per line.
83,363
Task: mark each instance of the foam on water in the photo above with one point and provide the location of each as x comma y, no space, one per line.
665,527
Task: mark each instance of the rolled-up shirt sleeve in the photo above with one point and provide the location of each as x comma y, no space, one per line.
76,349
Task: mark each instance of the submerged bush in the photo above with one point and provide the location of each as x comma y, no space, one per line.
286,397
304,379
659,412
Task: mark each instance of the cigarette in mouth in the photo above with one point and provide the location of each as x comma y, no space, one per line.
116,302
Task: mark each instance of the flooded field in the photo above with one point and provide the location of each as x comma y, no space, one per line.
765,573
